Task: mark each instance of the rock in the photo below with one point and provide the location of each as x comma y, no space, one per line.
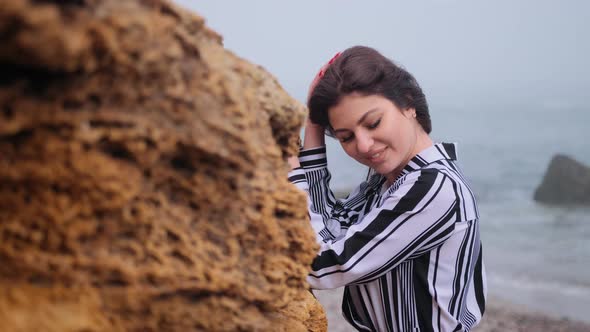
143,176
566,182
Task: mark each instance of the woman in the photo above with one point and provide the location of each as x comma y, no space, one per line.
405,243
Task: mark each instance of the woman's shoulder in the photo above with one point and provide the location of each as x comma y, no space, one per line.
423,177
438,183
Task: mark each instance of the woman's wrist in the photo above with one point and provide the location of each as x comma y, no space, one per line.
314,135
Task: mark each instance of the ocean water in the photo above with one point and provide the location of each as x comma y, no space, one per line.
535,255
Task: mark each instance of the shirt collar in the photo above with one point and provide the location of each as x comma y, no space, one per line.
438,151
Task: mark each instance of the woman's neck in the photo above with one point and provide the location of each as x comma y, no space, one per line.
423,142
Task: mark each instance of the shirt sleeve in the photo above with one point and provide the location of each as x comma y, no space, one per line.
330,217
415,218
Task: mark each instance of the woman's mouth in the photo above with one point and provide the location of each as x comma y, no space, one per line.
377,157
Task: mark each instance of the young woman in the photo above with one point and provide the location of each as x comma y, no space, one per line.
405,243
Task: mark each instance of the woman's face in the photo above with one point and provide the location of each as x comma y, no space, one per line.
376,133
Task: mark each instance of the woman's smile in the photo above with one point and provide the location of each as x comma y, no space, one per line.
377,157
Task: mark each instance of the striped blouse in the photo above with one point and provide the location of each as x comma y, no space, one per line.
409,255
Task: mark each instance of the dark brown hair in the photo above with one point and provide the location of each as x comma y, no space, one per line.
363,70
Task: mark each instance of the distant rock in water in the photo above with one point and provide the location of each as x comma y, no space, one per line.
566,181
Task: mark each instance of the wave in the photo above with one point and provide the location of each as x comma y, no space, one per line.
577,288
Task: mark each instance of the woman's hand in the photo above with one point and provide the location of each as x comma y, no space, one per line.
293,162
314,135
313,138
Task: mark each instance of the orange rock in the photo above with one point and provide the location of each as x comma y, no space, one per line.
143,166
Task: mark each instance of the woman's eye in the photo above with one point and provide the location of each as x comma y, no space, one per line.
375,124
346,139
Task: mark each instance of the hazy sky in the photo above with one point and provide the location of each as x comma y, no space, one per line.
464,53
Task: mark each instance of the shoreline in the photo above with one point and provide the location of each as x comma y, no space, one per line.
500,315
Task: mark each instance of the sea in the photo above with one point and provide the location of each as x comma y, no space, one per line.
536,255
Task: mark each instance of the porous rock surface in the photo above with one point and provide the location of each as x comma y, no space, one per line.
143,176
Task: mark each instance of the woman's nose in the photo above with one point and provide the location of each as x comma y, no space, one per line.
364,142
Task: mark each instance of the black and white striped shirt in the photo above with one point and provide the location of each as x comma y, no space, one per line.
409,255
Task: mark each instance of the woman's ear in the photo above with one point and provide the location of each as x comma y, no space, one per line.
410,113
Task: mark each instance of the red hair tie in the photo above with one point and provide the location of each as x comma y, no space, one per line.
321,74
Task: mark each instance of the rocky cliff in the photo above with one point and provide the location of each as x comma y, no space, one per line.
143,176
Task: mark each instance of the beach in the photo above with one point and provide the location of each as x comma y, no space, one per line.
500,316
